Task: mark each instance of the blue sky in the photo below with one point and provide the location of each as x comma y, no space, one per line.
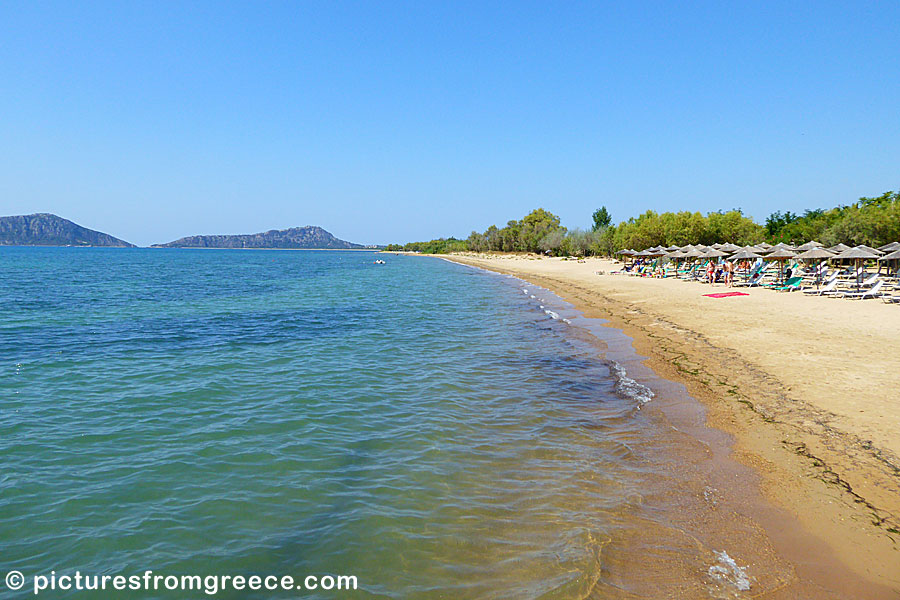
403,121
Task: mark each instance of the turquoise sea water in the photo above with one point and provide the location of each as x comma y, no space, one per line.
427,427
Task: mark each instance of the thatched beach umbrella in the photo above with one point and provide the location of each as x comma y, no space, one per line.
729,247
809,246
893,256
859,255
838,248
745,254
626,254
764,245
713,253
870,249
692,253
677,256
890,247
781,255
818,255
782,246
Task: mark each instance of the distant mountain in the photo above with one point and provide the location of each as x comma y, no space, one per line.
44,229
296,237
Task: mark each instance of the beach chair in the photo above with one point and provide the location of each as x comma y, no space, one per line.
874,292
689,274
789,286
754,281
787,282
824,290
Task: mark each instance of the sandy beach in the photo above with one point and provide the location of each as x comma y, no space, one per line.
807,387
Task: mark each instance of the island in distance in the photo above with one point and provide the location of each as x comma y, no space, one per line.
297,237
44,229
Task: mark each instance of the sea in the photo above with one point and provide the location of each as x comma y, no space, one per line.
431,429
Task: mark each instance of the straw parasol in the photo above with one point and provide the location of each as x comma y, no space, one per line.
782,246
764,245
838,248
809,246
895,255
745,254
729,247
817,254
781,255
716,246
870,249
858,255
890,247
713,253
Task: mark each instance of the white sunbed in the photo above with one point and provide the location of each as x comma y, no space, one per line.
874,292
824,290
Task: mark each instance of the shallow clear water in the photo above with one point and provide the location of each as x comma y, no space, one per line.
424,426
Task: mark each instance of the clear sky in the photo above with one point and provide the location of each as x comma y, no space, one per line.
389,122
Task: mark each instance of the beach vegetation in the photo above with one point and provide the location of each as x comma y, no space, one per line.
872,221
602,219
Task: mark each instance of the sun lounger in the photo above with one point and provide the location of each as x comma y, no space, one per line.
874,292
793,283
754,281
826,289
789,286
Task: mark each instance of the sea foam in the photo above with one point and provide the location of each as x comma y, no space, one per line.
727,571
628,387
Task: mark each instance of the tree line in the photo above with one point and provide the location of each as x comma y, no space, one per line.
870,221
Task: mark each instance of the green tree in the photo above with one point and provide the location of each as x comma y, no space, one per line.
602,219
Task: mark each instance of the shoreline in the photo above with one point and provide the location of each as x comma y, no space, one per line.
838,489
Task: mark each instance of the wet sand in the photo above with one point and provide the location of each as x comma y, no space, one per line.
806,391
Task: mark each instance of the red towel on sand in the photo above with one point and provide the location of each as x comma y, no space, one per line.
726,294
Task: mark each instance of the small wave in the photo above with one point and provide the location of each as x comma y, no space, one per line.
524,291
567,322
532,296
552,314
628,387
727,571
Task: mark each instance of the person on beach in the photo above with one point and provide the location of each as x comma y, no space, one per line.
729,273
710,273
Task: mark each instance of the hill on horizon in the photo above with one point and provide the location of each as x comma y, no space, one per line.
45,229
310,237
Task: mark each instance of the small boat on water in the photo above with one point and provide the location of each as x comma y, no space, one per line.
380,262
